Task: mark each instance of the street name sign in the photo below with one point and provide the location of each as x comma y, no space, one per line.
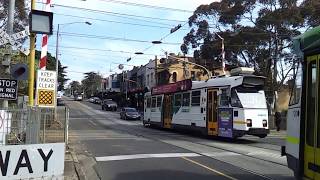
8,89
46,86
45,161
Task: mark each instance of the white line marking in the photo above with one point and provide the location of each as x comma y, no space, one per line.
92,122
221,154
143,156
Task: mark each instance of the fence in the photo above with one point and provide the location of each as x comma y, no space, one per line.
33,125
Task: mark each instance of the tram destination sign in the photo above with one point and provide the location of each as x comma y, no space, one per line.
8,89
174,87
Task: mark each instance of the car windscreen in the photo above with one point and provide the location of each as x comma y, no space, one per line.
130,110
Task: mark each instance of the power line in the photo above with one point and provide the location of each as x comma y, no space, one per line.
147,6
116,13
111,38
168,26
93,49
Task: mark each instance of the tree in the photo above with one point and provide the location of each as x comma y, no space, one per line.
257,33
91,83
75,87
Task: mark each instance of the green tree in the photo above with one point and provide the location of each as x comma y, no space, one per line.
91,83
257,33
75,86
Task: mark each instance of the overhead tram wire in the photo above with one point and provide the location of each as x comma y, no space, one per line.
168,26
112,38
116,13
146,6
93,49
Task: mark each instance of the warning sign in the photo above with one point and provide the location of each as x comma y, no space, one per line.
8,89
46,86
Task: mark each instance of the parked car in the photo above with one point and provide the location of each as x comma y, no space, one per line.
77,97
91,99
97,100
60,102
129,113
109,105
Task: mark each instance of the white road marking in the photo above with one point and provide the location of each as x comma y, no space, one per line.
93,123
144,156
221,154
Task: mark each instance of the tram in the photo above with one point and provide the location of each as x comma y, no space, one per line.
226,106
303,121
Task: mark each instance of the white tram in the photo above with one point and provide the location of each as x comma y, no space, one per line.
228,106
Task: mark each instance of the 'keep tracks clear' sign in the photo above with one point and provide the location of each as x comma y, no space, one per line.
46,86
8,89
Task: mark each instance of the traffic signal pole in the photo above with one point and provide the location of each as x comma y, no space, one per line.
31,62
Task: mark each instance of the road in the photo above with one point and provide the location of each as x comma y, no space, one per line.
120,150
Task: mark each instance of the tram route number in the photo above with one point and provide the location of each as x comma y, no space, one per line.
8,89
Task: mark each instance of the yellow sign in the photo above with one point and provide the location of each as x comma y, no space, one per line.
46,98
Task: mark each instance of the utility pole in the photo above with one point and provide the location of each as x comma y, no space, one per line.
9,47
31,61
275,72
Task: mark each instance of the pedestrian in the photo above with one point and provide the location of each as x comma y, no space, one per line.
278,120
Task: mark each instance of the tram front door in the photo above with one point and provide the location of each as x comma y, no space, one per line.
212,123
167,108
312,119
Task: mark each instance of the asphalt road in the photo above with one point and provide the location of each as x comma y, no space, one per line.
127,150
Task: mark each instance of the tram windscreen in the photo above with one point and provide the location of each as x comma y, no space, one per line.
248,97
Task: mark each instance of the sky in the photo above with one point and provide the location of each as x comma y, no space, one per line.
108,23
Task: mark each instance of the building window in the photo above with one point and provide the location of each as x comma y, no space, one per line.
186,99
174,77
153,102
177,100
193,75
195,100
159,98
151,78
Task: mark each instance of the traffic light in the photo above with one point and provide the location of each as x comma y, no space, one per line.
19,71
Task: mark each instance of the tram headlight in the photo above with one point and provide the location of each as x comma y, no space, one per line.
264,123
249,122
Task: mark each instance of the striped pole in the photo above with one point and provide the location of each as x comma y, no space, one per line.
44,46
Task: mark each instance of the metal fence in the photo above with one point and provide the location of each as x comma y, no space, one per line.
33,125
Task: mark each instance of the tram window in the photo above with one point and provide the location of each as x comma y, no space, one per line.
235,101
186,99
177,100
297,87
195,100
224,98
153,102
148,102
159,101
311,99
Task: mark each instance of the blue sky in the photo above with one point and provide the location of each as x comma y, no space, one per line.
82,60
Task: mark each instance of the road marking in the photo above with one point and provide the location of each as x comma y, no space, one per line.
209,168
221,154
93,123
144,156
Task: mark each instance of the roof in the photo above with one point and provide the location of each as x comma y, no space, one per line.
309,40
219,82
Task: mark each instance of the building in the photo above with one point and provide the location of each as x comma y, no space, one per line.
113,83
176,68
150,80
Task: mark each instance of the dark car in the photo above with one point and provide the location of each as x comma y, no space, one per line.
109,105
97,100
129,113
60,102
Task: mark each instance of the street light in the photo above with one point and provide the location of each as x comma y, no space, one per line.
57,51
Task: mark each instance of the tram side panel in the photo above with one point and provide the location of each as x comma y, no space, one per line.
193,114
